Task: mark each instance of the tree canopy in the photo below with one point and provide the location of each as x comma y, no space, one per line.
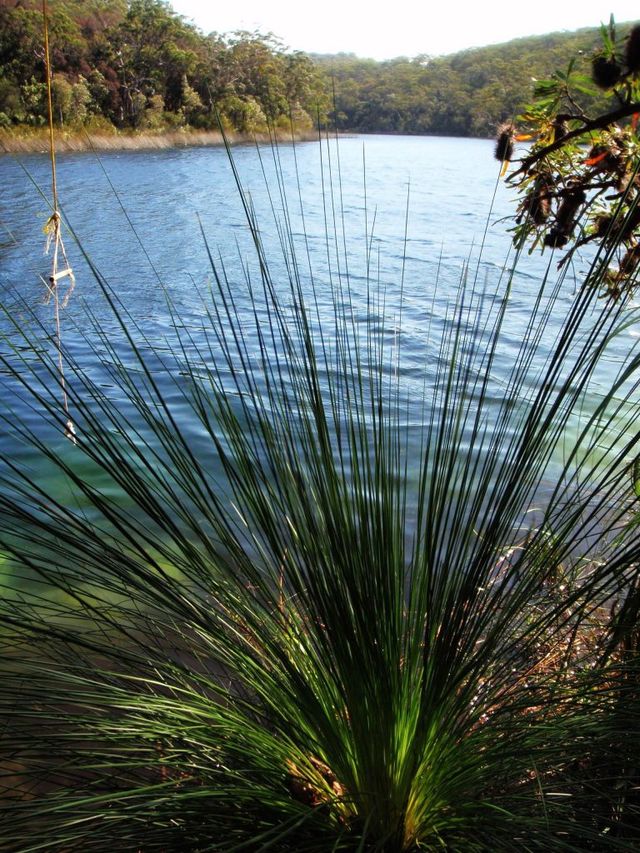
464,94
137,64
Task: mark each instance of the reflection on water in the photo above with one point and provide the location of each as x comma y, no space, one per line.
385,227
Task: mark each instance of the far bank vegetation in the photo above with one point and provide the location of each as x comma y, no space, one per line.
136,67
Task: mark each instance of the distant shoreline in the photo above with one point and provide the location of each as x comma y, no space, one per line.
68,142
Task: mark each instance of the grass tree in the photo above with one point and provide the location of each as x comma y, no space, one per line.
308,625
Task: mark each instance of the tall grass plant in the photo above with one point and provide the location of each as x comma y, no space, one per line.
297,633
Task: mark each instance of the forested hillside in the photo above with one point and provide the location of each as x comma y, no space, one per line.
464,94
138,65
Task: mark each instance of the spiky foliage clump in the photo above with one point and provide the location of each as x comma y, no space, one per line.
582,168
308,625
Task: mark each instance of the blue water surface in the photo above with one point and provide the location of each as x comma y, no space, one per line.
404,218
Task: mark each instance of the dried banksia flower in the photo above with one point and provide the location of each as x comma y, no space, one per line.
504,142
631,222
558,236
629,262
568,208
537,204
605,72
556,239
602,224
624,179
560,128
632,49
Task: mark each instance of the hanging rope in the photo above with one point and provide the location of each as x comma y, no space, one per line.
54,239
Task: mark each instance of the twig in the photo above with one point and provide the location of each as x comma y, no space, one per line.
600,123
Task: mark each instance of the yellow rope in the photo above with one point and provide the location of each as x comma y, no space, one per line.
54,236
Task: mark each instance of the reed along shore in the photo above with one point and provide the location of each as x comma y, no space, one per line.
36,142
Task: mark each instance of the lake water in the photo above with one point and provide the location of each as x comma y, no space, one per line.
410,213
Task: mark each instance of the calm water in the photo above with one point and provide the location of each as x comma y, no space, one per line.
415,210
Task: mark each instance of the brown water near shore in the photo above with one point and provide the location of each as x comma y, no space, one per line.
38,142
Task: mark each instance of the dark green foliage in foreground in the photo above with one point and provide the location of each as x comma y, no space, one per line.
578,182
296,633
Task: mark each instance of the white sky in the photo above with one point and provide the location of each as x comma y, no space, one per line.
383,30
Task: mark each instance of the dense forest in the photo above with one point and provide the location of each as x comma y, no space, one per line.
138,65
464,94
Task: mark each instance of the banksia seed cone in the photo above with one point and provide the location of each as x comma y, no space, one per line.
631,223
568,209
559,129
558,235
556,239
632,49
603,224
630,261
537,205
504,142
624,179
605,72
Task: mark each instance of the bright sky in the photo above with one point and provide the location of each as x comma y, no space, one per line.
390,28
